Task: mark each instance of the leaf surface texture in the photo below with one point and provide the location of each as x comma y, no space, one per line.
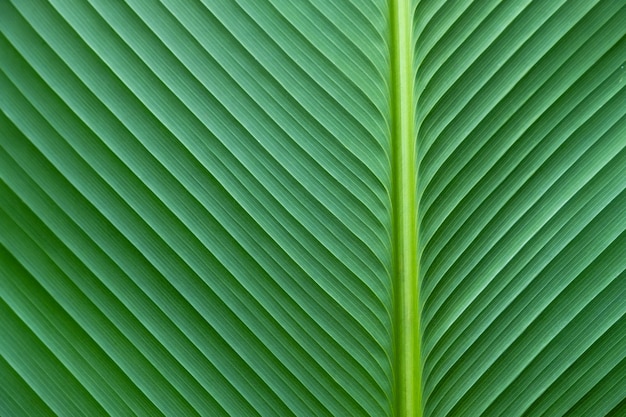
197,207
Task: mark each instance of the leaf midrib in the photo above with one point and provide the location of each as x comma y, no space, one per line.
406,327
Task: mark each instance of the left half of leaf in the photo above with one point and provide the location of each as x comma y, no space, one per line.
195,208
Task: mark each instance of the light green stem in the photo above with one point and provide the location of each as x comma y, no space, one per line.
407,366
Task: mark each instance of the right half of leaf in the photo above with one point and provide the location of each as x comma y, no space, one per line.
521,173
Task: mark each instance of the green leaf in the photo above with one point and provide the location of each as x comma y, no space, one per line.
343,208
522,131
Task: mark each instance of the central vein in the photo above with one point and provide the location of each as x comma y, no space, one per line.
407,366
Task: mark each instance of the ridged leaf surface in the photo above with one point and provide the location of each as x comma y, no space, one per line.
195,208
521,118
199,207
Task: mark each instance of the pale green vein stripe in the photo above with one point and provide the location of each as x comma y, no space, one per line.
407,379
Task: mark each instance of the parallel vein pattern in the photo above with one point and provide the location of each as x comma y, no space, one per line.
195,208
521,118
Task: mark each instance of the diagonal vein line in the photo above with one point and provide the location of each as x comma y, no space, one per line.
347,248
49,325
480,318
172,293
18,366
12,388
558,350
197,273
547,172
553,235
503,340
513,348
537,82
586,366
